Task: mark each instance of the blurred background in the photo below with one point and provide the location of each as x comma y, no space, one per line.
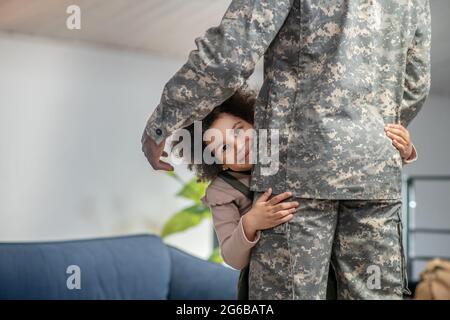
74,103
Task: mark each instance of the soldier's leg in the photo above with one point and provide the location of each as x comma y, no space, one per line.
269,267
367,251
311,237
291,261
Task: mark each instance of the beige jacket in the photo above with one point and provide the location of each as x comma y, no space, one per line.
335,72
228,205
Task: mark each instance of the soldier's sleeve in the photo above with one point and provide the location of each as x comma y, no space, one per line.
417,73
225,57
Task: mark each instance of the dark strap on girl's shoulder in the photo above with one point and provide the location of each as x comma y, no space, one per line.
235,183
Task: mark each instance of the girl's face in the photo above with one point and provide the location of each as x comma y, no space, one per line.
235,150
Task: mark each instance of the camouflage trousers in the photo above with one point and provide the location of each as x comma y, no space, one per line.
362,239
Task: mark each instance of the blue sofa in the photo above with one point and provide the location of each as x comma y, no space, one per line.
131,267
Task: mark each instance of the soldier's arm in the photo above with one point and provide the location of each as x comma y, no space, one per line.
225,57
417,73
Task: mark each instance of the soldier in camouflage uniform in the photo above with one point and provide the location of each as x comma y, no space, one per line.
335,73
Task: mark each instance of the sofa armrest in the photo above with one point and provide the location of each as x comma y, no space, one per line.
193,278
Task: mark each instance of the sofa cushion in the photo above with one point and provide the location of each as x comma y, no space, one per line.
194,278
132,267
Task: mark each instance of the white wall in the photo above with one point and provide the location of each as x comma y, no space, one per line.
71,166
430,132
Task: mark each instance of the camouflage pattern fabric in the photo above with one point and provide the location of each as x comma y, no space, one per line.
362,239
335,72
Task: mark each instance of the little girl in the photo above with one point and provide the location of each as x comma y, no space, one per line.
237,218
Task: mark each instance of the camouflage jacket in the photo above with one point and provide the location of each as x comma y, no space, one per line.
335,72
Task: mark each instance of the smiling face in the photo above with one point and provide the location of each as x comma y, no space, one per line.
235,150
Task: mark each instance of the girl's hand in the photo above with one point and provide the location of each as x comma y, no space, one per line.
267,213
400,139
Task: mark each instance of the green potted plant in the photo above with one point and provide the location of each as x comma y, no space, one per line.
193,214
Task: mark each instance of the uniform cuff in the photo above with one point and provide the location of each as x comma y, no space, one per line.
155,128
412,157
245,240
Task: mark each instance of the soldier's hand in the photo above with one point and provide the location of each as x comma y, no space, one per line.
153,152
269,212
401,139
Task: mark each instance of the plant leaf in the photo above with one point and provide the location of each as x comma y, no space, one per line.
185,219
215,256
193,190
171,173
174,175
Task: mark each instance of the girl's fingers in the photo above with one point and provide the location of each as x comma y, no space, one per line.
279,198
286,218
399,146
285,206
265,196
396,125
401,142
401,132
282,213
397,137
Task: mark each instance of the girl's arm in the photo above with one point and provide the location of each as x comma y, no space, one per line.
234,245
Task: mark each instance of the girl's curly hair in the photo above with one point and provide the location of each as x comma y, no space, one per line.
242,105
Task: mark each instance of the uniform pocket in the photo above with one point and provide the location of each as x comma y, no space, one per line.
280,229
